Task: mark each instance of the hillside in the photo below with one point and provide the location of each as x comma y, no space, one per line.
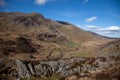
110,49
33,47
33,33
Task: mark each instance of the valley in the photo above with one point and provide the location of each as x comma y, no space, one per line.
33,47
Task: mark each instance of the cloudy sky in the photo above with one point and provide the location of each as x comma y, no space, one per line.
100,16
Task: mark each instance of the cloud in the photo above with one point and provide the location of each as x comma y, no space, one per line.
101,30
91,19
112,29
2,3
41,2
78,25
92,27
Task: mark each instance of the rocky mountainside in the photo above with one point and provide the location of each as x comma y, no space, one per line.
110,48
33,33
33,20
34,47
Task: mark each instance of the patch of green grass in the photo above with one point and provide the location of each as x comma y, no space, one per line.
53,77
72,44
81,54
25,78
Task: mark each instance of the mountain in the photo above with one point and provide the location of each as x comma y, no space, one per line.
36,48
22,33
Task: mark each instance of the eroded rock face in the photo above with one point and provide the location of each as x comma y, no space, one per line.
77,66
28,20
19,45
71,69
49,37
22,69
8,67
7,47
24,45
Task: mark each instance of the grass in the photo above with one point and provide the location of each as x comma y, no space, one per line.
72,44
6,77
81,54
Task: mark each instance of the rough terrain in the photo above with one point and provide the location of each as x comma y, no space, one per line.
33,47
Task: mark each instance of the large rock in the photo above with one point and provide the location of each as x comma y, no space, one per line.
68,68
22,69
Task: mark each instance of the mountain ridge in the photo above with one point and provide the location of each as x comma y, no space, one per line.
50,35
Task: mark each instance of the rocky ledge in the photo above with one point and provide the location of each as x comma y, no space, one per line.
107,68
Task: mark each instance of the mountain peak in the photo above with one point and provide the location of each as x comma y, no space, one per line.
28,20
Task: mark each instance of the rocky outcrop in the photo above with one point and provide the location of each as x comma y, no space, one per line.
19,45
22,69
28,20
24,45
110,48
7,47
79,67
49,37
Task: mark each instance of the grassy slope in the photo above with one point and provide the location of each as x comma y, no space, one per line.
81,43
